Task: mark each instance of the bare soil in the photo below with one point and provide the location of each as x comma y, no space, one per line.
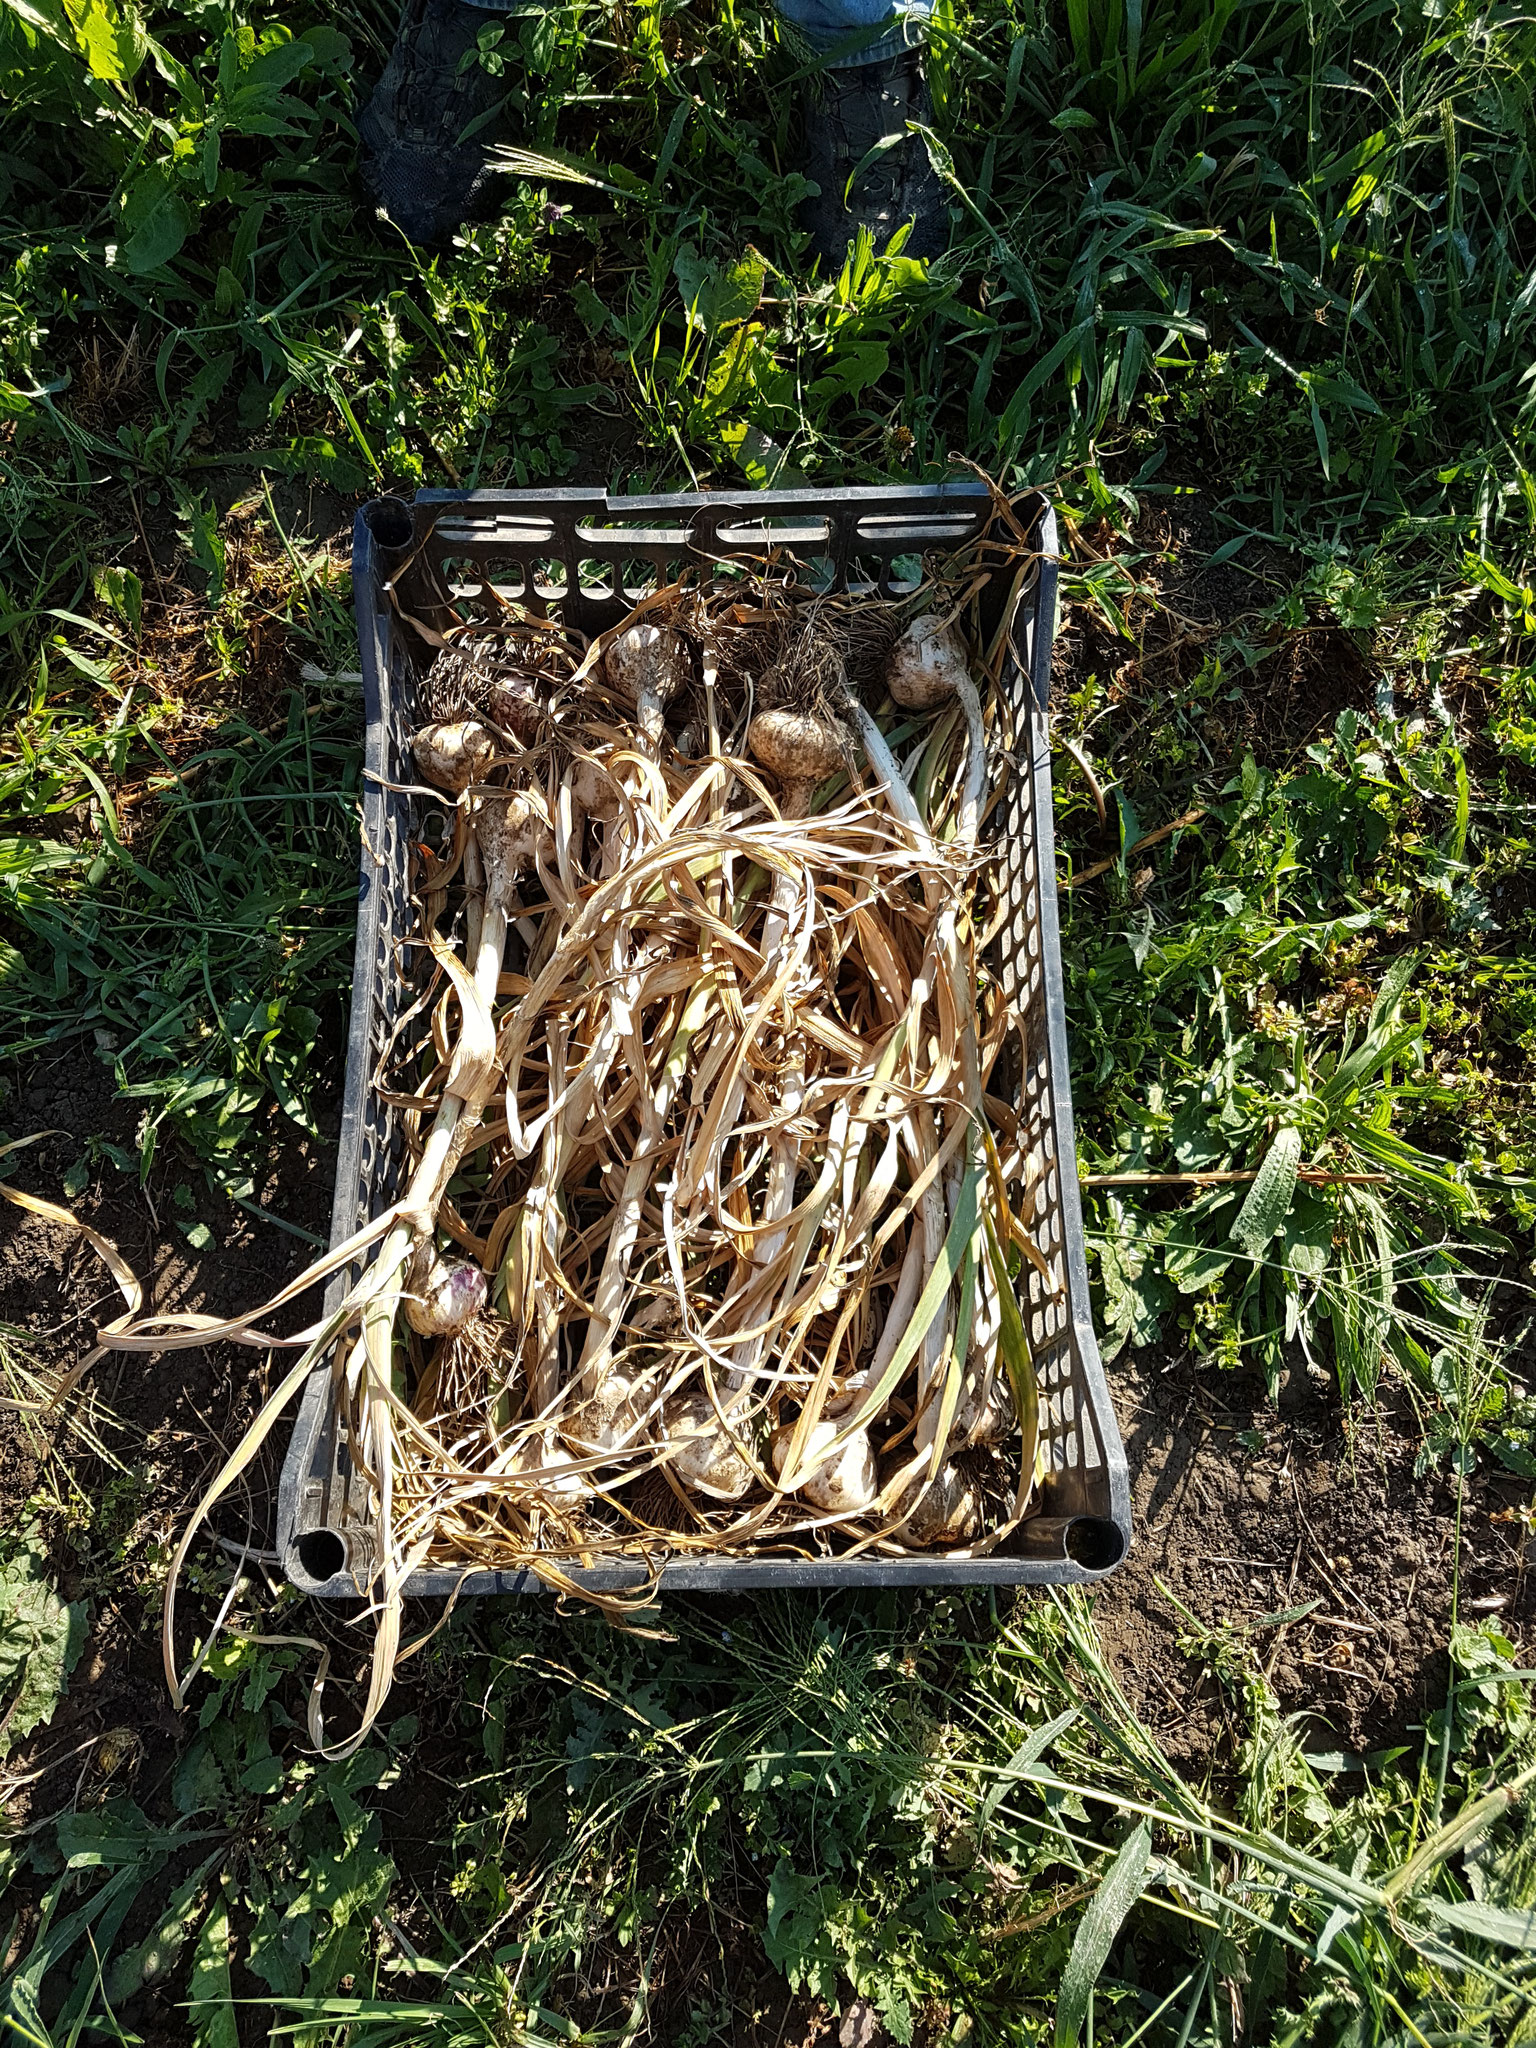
170,1418
1246,1512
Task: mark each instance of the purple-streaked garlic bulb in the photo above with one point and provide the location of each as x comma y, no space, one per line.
443,1296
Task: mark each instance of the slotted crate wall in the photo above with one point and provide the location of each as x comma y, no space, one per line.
586,557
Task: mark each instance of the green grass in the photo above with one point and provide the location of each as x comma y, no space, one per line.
195,937
1252,287
924,1810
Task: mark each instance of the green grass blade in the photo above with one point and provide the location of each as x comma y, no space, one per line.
1122,1886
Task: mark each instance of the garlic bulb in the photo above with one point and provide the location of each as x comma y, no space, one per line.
649,665
928,663
948,1512
614,1415
513,700
454,755
704,1457
443,1296
843,1481
985,1410
512,832
799,749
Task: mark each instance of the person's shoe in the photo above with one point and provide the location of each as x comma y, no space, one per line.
848,114
416,162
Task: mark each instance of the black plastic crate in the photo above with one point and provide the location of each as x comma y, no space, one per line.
587,556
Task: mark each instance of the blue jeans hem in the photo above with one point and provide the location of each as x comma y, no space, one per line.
907,31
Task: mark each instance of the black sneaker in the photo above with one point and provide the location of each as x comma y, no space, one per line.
416,162
846,114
